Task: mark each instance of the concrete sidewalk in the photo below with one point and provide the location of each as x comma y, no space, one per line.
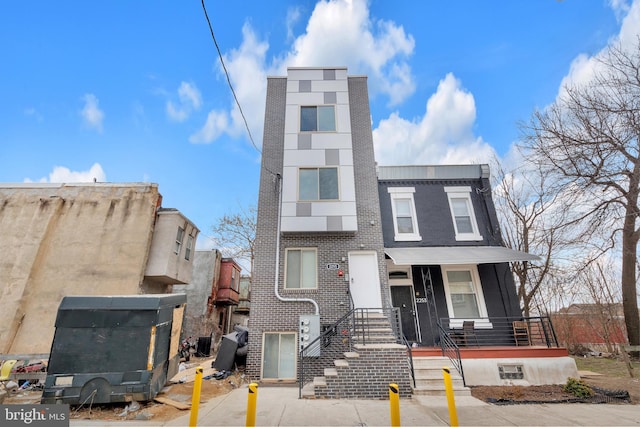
280,406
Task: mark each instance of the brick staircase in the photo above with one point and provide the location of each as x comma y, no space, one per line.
430,379
366,372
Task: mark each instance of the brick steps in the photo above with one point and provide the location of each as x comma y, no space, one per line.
367,371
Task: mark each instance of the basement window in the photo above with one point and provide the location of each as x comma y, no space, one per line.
511,372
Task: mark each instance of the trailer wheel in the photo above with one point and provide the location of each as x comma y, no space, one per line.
98,390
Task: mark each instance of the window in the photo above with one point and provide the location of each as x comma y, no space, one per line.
464,293
318,184
187,252
301,269
462,214
279,355
405,223
179,238
318,119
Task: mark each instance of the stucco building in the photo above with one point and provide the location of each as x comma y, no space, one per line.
83,239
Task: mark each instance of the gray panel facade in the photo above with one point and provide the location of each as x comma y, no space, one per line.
268,313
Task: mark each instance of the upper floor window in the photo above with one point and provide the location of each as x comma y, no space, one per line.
187,251
318,184
301,269
179,239
318,119
405,222
462,214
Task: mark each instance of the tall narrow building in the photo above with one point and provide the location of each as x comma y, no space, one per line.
319,245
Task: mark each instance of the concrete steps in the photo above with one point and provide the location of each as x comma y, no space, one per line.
430,380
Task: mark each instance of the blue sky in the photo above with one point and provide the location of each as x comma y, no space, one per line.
128,91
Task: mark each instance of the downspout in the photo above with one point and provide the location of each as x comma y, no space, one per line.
277,275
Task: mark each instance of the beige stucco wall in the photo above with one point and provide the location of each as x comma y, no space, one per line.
67,239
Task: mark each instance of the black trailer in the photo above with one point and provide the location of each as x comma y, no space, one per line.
109,349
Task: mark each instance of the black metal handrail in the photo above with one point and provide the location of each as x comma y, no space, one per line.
500,331
338,338
451,350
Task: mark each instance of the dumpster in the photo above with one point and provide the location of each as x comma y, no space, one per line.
109,349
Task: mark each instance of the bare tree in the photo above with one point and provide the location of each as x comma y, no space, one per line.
533,219
589,137
235,234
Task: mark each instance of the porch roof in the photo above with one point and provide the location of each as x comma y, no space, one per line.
447,255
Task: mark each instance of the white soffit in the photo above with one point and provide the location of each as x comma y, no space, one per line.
457,255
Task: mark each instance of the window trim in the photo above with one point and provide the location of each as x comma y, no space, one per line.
456,322
189,247
403,193
317,169
463,193
317,107
179,240
286,268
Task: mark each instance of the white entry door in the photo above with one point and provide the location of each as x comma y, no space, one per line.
364,279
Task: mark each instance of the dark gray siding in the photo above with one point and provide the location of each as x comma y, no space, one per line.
434,219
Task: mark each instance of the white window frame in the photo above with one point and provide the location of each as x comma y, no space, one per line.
286,268
317,169
463,193
455,323
179,240
188,250
295,359
404,193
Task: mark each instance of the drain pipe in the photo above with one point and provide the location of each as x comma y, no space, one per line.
277,276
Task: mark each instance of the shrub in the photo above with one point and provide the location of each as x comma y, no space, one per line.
578,388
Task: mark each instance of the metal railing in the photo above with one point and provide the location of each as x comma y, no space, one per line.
451,350
358,326
499,331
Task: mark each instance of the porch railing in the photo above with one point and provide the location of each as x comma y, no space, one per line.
451,350
499,331
355,327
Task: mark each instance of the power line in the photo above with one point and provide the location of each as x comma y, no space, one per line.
228,79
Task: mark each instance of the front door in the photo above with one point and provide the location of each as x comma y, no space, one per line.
402,298
364,279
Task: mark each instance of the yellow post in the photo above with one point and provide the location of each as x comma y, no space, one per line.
394,403
251,404
453,415
195,398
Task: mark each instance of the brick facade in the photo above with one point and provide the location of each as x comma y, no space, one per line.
268,313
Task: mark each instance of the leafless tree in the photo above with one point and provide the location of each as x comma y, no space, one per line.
235,234
589,140
534,218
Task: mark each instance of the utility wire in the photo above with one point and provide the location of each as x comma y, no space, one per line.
228,79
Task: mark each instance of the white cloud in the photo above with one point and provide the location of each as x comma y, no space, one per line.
339,32
61,174
217,123
584,67
293,16
443,135
248,74
91,113
190,100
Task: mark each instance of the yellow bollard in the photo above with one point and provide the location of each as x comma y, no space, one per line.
195,397
251,404
394,403
453,415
